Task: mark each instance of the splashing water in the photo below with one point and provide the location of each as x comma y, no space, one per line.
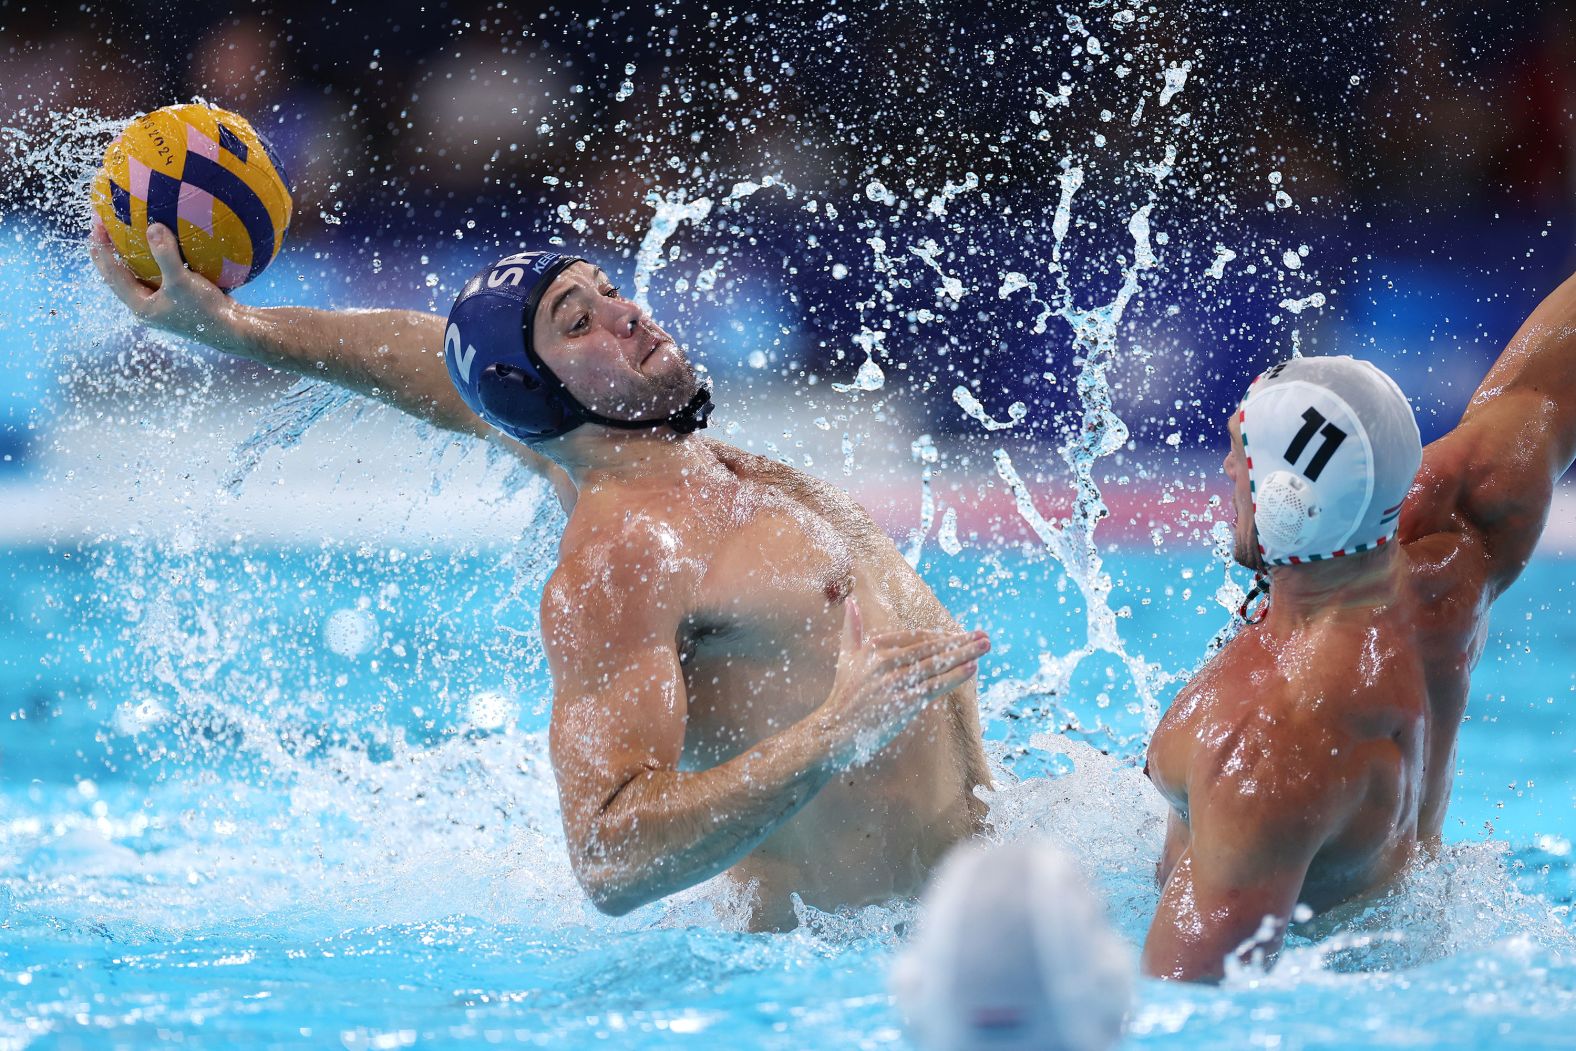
283,425
947,536
925,454
362,723
1217,269
938,202
1176,80
1099,433
667,213
869,377
875,191
1297,306
1016,412
928,250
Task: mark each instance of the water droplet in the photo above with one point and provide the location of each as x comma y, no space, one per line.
490,710
350,632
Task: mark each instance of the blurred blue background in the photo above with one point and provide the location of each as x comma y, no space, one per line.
1425,155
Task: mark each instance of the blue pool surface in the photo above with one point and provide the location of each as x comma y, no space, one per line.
257,796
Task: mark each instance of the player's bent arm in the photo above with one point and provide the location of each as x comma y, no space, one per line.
1517,436
394,356
1232,890
638,827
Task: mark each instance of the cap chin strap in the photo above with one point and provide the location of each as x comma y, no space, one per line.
692,417
1260,589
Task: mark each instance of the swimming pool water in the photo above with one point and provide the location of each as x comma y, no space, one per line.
258,796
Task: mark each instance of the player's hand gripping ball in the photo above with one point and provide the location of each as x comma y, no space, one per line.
208,176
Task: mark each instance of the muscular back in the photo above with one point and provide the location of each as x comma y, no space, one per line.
1311,756
1345,724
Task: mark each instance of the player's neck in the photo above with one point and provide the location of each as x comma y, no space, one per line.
1313,589
594,455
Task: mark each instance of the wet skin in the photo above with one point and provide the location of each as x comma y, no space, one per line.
697,627
693,618
748,677
1312,757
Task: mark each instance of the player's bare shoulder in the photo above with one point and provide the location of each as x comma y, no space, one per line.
791,484
1244,665
754,468
1305,749
1264,700
1229,683
619,562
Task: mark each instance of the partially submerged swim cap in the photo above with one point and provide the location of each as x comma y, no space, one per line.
1013,953
493,361
1332,447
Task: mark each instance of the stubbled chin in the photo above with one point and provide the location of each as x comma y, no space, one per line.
1246,554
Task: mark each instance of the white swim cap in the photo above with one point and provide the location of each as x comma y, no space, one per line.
1013,953
1332,447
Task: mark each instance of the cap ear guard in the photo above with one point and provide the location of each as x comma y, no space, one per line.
498,373
509,393
1286,510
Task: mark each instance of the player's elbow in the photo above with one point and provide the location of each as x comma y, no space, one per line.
615,866
609,901
1172,956
611,896
612,883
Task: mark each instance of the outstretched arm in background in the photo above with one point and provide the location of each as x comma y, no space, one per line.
1495,473
395,356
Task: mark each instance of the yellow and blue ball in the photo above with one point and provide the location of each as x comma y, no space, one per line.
206,174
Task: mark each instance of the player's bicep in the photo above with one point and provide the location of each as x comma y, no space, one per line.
613,720
1211,911
1237,879
619,703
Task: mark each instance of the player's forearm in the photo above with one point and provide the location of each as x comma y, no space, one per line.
667,830
1541,361
395,356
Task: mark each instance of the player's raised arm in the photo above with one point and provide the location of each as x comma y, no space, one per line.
1516,438
395,356
638,827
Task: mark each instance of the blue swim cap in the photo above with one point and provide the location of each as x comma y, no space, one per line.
494,365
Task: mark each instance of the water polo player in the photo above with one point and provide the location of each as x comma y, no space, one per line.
1308,762
1013,952
748,677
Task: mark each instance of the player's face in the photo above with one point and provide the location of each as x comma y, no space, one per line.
604,348
1245,549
